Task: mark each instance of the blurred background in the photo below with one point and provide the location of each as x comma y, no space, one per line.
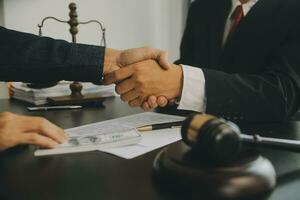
129,23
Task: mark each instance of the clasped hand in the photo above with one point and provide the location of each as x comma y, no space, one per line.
148,80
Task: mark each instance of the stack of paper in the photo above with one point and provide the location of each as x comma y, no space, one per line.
39,96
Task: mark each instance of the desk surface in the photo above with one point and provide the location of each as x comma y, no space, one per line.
97,175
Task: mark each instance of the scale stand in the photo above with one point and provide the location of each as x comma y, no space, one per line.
76,97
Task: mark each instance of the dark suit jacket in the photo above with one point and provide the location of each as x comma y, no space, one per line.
256,75
29,58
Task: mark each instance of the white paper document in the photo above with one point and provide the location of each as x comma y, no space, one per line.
94,136
151,140
119,136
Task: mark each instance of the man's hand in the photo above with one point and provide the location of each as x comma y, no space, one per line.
146,79
17,129
116,59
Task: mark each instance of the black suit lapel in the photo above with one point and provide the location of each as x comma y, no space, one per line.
252,26
218,17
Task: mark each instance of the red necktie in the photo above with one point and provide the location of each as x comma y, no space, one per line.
236,18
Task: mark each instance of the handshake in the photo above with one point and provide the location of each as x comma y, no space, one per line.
143,77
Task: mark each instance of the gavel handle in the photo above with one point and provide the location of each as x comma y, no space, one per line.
272,143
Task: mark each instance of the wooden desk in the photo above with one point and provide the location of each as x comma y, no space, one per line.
96,175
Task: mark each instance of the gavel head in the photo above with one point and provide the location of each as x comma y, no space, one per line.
216,138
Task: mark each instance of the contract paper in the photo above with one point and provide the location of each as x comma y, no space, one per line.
151,140
119,136
94,136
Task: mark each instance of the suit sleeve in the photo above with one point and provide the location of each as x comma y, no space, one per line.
29,58
272,95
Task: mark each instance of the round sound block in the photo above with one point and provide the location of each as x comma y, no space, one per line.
184,173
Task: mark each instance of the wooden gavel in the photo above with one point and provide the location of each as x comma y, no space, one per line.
223,140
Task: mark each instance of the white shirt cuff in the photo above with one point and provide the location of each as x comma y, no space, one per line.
193,96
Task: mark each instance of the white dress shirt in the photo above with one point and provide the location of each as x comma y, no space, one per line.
193,95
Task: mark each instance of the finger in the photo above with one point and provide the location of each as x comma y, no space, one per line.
163,60
136,102
43,127
129,96
131,56
37,139
162,101
118,75
125,86
135,55
146,106
152,102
